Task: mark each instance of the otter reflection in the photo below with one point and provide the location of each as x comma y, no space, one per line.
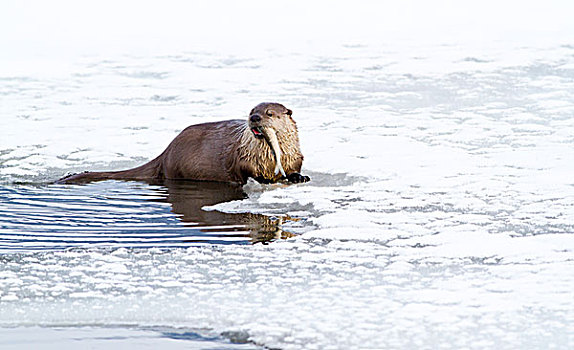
187,198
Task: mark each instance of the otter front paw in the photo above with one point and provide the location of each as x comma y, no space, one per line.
297,178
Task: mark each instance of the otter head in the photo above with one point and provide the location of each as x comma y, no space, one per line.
269,120
269,115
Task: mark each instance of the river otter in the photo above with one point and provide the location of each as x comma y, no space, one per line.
265,148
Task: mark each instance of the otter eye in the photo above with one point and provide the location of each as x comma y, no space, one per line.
269,113
289,112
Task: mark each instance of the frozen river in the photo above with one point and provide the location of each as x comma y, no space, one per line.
440,211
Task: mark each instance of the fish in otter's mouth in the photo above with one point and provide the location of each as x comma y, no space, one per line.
270,136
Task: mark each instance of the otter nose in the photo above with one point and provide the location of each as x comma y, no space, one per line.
255,118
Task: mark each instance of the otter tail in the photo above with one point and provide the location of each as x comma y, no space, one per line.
149,171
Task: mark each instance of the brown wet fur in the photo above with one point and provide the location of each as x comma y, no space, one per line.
225,151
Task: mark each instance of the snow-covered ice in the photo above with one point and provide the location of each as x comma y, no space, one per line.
439,139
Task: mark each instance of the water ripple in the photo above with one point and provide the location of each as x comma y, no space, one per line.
125,215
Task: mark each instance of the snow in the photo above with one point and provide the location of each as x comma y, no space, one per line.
438,138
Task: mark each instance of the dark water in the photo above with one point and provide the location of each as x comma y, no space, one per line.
126,214
90,337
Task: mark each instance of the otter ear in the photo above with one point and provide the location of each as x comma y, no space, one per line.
289,112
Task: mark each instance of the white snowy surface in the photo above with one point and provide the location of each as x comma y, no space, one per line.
439,139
